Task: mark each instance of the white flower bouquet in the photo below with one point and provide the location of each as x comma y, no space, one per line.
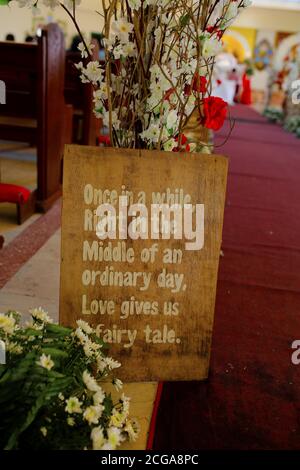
51,396
159,57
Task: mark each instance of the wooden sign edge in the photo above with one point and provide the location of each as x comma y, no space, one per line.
142,153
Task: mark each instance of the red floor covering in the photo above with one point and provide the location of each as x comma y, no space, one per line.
252,397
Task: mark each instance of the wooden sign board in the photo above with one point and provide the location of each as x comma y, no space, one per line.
151,299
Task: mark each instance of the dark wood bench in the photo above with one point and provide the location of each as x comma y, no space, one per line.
35,109
86,126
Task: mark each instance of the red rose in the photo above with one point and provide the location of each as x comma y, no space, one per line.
215,112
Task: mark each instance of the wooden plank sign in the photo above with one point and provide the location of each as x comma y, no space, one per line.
141,236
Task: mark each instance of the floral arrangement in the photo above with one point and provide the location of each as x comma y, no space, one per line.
274,115
159,57
51,396
292,124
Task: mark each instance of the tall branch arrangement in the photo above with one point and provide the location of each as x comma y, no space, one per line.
159,57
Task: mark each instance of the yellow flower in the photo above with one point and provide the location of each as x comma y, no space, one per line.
13,348
98,397
97,438
73,405
90,382
114,437
44,431
7,323
71,421
40,314
46,362
85,327
117,419
93,413
132,428
118,384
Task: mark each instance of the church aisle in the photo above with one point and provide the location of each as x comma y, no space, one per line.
252,397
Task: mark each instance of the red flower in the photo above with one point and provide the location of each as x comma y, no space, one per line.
215,112
213,29
168,94
210,29
183,142
199,83
187,90
104,139
183,139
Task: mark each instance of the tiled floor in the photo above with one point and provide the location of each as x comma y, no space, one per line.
36,283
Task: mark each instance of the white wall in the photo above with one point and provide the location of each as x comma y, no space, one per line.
19,21
272,19
283,4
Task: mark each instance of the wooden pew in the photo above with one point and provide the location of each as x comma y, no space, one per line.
35,109
86,127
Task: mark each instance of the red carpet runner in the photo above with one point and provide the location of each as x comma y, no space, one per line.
252,397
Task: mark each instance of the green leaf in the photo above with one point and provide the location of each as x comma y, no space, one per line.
108,405
11,444
54,352
51,390
184,20
20,369
57,330
30,332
